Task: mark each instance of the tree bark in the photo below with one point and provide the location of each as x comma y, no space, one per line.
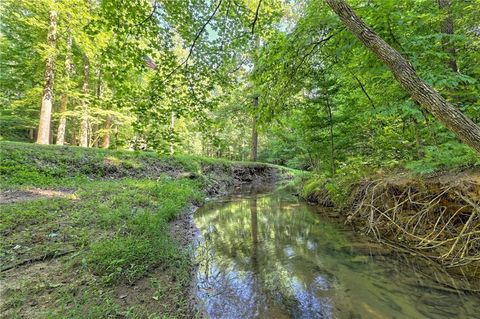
172,127
64,101
254,132
465,129
330,124
94,136
84,121
446,28
106,134
43,135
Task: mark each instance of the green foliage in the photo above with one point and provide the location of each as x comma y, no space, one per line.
337,109
449,156
325,103
112,222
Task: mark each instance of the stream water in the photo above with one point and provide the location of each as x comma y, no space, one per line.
265,254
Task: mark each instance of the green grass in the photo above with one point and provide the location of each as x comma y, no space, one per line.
119,229
25,165
113,231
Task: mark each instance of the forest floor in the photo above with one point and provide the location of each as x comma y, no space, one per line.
435,216
96,233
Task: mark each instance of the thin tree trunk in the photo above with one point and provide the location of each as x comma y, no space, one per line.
43,135
84,120
64,101
254,132
73,140
172,127
362,87
446,28
106,135
418,138
94,137
62,125
465,129
242,154
330,123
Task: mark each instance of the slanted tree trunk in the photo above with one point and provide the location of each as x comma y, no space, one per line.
465,129
446,28
84,120
43,135
254,131
64,101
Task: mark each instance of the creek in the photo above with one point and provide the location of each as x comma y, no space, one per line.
263,253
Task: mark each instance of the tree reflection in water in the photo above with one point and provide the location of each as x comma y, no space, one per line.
269,256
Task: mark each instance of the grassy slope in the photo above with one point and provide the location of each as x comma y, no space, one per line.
111,232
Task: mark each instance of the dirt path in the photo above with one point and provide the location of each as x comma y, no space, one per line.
15,196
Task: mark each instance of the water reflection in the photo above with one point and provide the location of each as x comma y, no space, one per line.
268,256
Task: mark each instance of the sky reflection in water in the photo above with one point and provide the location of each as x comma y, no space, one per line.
269,256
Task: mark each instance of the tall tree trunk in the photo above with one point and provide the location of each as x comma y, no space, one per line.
94,137
84,120
43,135
172,127
106,128
330,123
446,28
465,129
254,131
64,101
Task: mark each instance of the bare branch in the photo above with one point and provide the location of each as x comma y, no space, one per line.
154,9
192,46
202,29
256,16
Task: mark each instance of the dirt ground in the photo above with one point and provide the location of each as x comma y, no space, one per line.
15,196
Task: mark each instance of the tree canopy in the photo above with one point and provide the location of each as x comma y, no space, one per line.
211,77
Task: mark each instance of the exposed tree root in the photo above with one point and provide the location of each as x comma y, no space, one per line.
439,219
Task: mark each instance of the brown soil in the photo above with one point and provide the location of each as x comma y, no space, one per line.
46,274
144,291
223,180
14,196
33,285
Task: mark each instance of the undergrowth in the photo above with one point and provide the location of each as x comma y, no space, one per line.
111,232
